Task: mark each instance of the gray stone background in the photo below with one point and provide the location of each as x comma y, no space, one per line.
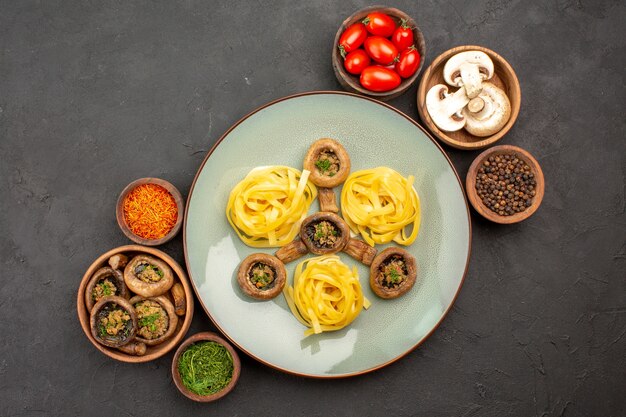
94,94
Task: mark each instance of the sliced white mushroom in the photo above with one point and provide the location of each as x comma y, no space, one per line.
445,109
487,114
468,69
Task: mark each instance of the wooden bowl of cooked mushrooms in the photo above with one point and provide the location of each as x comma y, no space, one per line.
469,97
135,303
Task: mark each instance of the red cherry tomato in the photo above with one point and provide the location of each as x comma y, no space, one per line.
403,36
356,62
379,24
381,49
377,78
352,38
409,62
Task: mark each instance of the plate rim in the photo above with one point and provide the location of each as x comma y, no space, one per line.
340,93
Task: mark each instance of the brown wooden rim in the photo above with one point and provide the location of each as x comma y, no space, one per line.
343,93
200,337
486,141
121,220
166,346
470,184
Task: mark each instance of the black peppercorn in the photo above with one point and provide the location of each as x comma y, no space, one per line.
505,184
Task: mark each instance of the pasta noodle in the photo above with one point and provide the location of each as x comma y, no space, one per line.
326,294
381,205
267,207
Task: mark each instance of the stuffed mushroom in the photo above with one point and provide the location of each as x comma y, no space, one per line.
392,273
324,233
104,282
113,321
320,233
329,164
156,319
148,276
262,276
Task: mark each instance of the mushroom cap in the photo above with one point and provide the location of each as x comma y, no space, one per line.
380,259
492,117
148,289
171,317
335,220
113,341
445,109
452,69
273,262
311,158
102,273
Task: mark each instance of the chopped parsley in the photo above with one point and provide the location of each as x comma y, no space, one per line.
394,276
323,165
149,321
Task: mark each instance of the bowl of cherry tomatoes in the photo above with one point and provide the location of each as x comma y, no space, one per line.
378,52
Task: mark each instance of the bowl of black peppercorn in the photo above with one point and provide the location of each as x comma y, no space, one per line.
505,184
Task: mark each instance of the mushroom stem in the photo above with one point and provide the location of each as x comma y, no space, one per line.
118,261
476,104
471,78
360,251
327,199
134,348
178,295
292,251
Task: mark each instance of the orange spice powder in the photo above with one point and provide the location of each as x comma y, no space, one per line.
150,211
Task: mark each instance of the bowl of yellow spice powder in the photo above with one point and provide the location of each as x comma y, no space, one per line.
150,211
205,367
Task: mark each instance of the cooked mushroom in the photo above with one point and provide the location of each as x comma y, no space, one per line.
156,319
103,283
468,70
324,233
180,302
393,273
292,251
118,261
113,321
360,251
148,276
262,276
329,164
134,348
445,109
488,113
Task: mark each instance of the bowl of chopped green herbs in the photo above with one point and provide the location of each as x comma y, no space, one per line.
205,367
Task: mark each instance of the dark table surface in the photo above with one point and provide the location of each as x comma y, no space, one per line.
94,94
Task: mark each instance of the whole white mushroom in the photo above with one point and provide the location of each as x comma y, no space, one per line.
468,70
487,113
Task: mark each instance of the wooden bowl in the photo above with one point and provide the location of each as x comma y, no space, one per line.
121,220
504,77
199,337
152,352
351,82
479,206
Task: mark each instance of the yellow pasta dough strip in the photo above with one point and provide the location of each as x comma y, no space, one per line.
382,206
326,294
267,207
